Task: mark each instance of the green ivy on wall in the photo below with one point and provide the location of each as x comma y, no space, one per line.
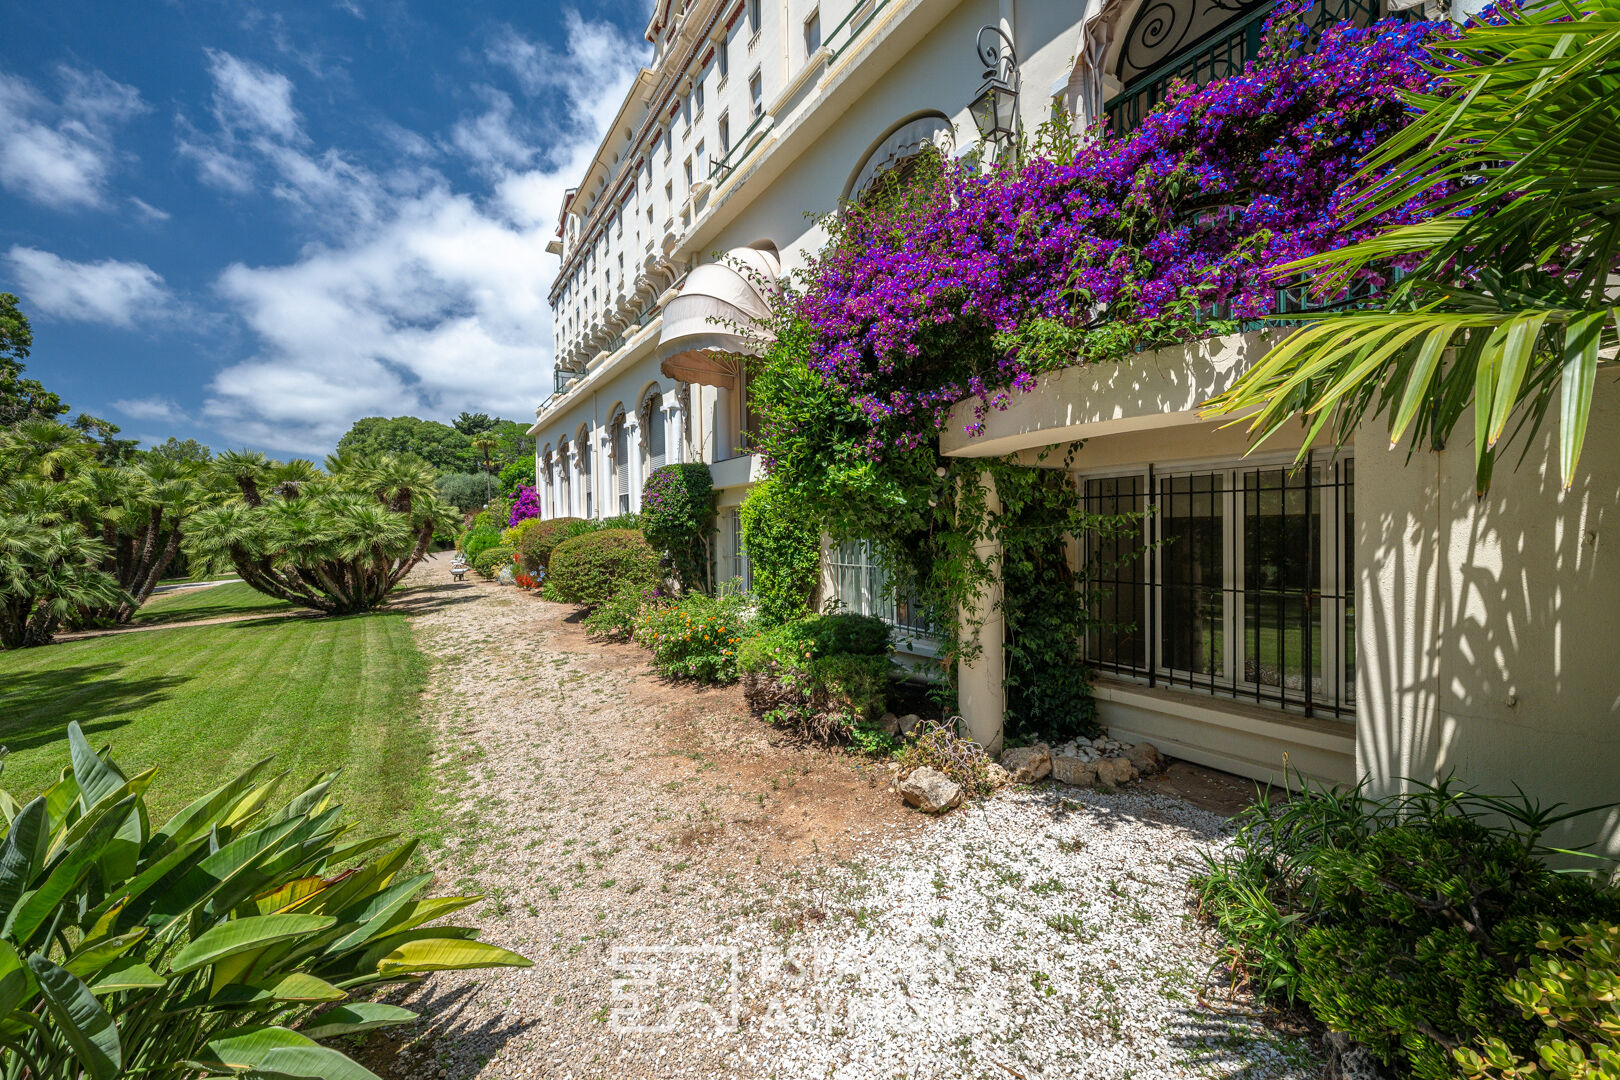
784,552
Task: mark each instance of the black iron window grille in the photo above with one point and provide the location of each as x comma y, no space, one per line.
1152,55
1238,582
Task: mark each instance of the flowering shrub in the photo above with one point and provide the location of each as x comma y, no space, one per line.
525,505
976,283
677,516
488,562
526,581
695,637
961,285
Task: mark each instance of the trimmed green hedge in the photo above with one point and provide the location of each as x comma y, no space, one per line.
590,569
541,538
488,563
825,676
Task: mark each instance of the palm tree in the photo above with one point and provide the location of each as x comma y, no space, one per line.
46,449
336,542
1513,298
48,573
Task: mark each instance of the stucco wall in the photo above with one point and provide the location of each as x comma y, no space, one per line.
1489,631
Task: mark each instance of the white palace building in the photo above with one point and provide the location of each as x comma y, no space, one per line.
1421,633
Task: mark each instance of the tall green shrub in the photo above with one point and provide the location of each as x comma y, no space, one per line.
193,948
1401,922
677,516
823,676
590,569
783,541
514,476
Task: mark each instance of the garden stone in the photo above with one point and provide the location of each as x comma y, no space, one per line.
889,724
930,791
1146,757
508,575
1349,1060
1115,771
999,777
909,721
1073,769
1028,764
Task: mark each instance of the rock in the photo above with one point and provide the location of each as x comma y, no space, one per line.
909,721
1073,769
1349,1060
930,791
1115,771
889,724
1028,764
508,575
1146,757
999,777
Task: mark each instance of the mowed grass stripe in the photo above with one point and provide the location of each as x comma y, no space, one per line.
203,703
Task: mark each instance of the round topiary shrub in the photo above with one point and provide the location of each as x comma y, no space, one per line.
488,562
591,568
677,517
540,539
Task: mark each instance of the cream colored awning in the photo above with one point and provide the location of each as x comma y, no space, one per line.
705,325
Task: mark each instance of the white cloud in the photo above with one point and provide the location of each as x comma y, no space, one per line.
147,210
251,98
109,291
150,408
422,299
60,153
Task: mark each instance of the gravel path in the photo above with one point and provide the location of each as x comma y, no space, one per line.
703,898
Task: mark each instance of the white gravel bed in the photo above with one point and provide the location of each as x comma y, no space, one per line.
1042,933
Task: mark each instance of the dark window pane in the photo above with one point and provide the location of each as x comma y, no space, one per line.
1282,579
1192,561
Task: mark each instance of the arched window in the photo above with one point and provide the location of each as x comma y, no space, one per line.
589,496
657,442
898,150
621,464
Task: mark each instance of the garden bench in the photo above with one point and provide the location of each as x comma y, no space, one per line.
458,568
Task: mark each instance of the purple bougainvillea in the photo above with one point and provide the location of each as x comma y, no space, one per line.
1185,214
525,506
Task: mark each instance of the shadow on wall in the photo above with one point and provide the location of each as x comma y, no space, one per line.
1487,628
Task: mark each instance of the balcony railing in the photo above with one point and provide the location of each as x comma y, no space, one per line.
564,380
1220,55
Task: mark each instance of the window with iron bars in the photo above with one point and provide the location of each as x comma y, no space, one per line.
730,560
860,585
1238,582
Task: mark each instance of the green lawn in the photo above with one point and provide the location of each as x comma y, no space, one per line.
237,598
203,703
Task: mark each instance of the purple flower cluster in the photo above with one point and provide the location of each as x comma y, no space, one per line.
917,309
525,506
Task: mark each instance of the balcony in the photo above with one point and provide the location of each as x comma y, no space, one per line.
1214,54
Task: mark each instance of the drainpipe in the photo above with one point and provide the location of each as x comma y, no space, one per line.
980,685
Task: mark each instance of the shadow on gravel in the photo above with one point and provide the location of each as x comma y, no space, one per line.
381,1051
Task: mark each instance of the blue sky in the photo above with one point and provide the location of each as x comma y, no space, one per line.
253,223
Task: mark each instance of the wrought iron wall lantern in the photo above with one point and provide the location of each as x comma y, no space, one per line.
995,106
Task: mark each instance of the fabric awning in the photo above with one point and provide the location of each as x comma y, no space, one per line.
704,331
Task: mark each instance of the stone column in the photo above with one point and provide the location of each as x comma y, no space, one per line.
980,689
602,475
675,432
633,447
542,487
